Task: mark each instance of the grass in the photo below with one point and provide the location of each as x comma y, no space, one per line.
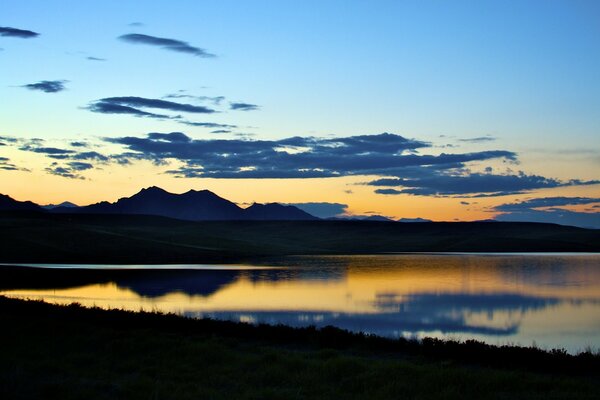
142,239
58,352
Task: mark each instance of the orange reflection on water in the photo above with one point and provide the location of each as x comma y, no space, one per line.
515,298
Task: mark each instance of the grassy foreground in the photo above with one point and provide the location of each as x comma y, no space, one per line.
49,352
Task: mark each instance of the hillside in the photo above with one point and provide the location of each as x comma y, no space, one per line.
43,237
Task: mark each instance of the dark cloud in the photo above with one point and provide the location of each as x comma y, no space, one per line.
136,24
221,131
528,210
47,86
80,166
167,44
207,124
108,108
141,102
7,165
528,205
65,172
296,157
95,59
79,144
323,209
555,216
243,106
8,139
480,139
90,156
18,33
444,183
50,151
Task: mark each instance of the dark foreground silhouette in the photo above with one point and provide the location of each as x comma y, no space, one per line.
141,239
68,352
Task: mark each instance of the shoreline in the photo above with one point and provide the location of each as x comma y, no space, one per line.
71,352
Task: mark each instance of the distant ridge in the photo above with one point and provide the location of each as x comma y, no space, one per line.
66,204
193,205
413,220
7,203
276,211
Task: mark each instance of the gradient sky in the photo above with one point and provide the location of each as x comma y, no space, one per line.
488,106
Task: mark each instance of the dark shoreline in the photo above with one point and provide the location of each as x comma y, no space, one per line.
70,352
469,351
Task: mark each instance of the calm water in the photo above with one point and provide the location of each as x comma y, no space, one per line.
550,300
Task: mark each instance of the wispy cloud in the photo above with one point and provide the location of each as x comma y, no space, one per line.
243,106
165,43
480,139
431,182
17,33
47,86
543,202
90,58
216,100
141,102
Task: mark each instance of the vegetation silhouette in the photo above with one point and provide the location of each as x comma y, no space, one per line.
72,352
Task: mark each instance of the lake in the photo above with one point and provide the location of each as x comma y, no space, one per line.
550,300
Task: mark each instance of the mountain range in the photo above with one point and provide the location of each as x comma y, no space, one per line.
193,205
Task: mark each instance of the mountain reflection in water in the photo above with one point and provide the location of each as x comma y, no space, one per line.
552,300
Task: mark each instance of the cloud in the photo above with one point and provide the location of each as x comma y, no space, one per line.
528,210
322,209
167,44
18,33
207,124
90,156
243,106
216,100
7,165
480,139
90,58
296,157
80,166
141,102
447,183
543,202
52,152
221,131
555,216
65,172
47,86
108,108
79,144
136,24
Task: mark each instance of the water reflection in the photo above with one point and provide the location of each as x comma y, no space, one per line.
552,300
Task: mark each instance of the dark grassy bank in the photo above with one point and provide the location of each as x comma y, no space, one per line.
39,237
70,352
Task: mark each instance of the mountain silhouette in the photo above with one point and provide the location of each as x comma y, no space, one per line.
276,211
66,204
7,203
202,205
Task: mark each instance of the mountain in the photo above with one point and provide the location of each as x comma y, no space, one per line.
193,205
66,204
276,211
380,218
7,203
411,220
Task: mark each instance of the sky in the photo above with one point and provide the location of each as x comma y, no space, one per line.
462,110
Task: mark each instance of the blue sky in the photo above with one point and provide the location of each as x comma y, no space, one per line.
523,73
